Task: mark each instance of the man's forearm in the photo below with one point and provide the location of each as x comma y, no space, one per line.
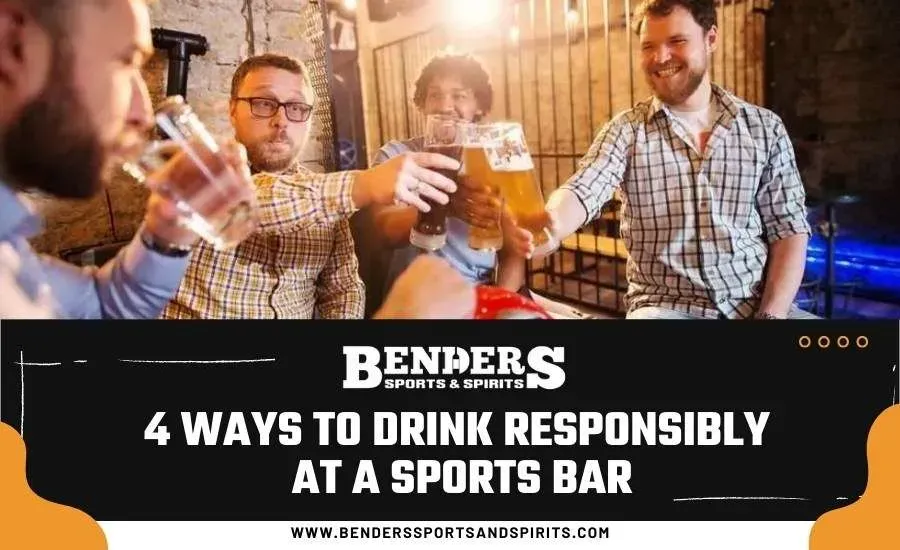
136,284
569,212
511,271
784,273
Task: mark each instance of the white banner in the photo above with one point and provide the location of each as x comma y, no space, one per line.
615,535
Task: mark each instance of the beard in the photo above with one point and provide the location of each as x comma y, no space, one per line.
274,154
52,146
678,88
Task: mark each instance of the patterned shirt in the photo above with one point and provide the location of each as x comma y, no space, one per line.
697,226
299,263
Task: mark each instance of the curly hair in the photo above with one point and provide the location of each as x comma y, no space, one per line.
703,11
469,70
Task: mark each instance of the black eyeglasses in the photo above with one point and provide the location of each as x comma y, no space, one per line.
295,111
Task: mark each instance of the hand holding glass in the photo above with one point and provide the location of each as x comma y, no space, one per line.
502,160
443,135
214,199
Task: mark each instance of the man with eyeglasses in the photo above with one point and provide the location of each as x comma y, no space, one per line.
290,268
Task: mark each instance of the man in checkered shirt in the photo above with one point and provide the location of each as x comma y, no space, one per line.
713,215
300,263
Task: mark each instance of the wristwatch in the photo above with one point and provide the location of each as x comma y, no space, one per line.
164,248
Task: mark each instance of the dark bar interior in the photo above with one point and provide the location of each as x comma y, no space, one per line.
562,68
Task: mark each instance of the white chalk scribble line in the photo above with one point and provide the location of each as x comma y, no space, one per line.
896,398
190,362
22,396
737,498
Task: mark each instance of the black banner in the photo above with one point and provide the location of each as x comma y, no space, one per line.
588,420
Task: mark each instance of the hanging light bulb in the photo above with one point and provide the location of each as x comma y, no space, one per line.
514,34
468,14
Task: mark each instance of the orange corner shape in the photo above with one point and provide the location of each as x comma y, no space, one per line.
28,521
871,522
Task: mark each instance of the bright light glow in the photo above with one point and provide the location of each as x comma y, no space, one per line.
467,14
514,34
572,17
349,5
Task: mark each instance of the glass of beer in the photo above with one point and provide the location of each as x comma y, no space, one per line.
443,135
212,199
488,236
507,164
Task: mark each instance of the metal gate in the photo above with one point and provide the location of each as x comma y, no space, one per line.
564,68
320,65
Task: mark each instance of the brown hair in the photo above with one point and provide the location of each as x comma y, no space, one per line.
276,61
703,11
53,15
470,71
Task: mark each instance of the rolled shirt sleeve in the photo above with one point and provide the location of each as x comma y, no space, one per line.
781,198
602,168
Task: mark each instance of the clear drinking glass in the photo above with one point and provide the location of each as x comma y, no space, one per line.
476,169
507,164
443,135
213,200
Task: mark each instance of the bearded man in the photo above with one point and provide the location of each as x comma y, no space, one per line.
292,272
714,215
74,107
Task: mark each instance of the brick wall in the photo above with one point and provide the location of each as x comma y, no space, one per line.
276,26
834,84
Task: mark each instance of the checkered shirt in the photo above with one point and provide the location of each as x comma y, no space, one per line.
697,227
300,261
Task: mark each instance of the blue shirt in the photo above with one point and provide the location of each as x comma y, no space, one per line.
136,284
474,265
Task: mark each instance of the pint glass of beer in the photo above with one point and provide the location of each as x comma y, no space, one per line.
488,236
443,135
507,164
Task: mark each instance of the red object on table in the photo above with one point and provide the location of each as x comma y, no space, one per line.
497,303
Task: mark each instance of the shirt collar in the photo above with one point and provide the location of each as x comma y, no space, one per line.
17,218
298,168
727,104
295,168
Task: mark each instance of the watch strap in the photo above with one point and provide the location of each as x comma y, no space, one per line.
164,248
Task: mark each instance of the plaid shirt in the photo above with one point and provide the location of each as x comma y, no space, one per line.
300,260
697,228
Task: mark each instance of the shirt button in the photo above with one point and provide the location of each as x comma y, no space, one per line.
704,205
704,235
